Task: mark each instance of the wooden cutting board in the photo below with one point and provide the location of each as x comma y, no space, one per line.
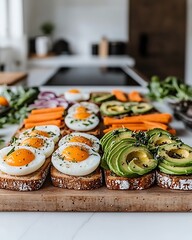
50,198
11,78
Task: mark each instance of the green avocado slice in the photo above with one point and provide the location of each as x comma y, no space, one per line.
175,154
113,108
157,140
157,131
138,159
141,108
116,137
174,170
103,98
113,162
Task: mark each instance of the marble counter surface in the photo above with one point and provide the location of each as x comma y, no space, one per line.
96,226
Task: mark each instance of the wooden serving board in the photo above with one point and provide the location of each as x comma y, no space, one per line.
12,77
53,199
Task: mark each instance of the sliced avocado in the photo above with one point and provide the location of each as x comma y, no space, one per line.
175,170
143,166
157,131
141,108
115,146
136,159
113,108
103,98
160,139
175,155
117,137
114,158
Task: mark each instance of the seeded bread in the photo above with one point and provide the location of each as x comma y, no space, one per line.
89,182
176,182
30,182
115,182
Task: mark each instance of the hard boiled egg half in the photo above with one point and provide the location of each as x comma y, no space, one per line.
75,159
20,160
81,121
43,144
75,95
48,131
84,107
79,137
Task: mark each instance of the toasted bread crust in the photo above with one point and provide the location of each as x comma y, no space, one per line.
176,182
30,182
115,182
89,182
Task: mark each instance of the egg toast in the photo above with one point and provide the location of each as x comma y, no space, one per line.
34,180
28,182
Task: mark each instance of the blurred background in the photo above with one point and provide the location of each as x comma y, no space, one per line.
80,41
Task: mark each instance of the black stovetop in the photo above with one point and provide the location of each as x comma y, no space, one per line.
95,76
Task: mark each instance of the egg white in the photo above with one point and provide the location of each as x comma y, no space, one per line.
81,125
53,130
47,149
21,170
82,168
90,107
75,97
93,139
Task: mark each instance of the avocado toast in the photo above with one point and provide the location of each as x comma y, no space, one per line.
128,163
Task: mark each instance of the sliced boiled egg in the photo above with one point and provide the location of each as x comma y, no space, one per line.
81,121
43,144
20,160
75,95
79,137
84,107
75,159
48,131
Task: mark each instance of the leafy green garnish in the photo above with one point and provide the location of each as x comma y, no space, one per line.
170,87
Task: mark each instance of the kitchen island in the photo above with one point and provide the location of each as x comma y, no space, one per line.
70,225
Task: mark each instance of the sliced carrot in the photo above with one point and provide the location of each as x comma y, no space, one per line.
47,110
120,95
155,125
155,117
54,122
133,127
43,117
135,96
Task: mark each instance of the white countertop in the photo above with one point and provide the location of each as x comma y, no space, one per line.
95,226
78,60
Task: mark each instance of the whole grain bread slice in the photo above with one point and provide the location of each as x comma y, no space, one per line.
30,182
115,182
89,182
176,182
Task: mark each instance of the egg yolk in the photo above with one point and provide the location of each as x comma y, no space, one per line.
20,157
33,142
81,139
38,132
3,101
74,91
81,115
75,153
81,109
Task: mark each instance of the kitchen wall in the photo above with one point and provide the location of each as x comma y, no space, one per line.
81,22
